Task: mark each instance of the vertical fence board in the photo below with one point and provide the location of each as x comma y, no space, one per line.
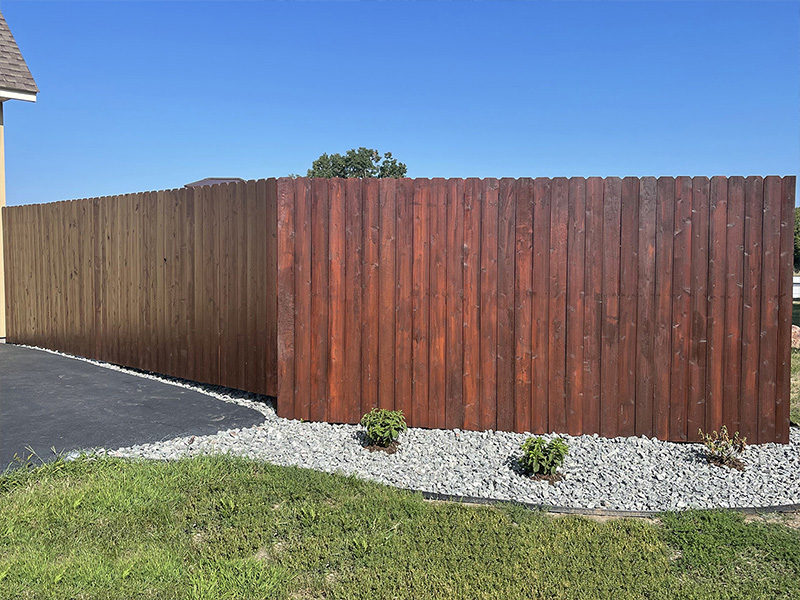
506,224
645,308
354,255
454,410
576,300
336,307
557,309
681,307
370,331
628,297
420,301
303,327
751,305
717,249
438,303
388,293
592,327
696,392
734,284
320,288
267,194
488,304
609,358
472,291
523,310
242,276
404,320
286,288
541,304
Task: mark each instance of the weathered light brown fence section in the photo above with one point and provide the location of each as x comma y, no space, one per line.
617,306
180,282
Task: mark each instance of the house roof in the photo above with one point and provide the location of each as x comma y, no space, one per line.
14,73
213,181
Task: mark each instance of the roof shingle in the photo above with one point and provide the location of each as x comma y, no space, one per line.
14,73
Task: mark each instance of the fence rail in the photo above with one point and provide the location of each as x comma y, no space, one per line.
180,282
614,306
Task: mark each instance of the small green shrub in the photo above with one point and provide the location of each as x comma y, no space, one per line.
542,458
721,448
384,426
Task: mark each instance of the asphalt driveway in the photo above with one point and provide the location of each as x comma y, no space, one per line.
51,401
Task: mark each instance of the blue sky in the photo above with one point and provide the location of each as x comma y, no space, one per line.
152,95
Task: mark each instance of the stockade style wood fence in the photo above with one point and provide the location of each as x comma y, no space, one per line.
180,282
617,306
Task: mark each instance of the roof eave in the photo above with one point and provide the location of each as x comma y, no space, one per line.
6,94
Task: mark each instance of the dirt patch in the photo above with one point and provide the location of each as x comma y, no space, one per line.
390,449
731,463
551,479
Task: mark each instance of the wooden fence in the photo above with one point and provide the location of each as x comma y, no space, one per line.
180,282
618,306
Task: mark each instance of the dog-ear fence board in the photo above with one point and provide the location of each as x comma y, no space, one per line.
634,306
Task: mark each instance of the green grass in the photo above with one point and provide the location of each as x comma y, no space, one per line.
230,528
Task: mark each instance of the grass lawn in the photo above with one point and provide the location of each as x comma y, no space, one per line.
230,528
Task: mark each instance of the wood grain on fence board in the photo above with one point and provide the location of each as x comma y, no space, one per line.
438,304
628,297
715,348
645,308
487,417
420,288
592,327
403,366
696,393
472,281
734,282
506,252
387,293
609,357
751,305
541,304
576,299
336,307
370,301
287,298
557,309
354,256
523,314
454,382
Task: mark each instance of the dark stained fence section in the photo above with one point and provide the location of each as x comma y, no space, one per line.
180,282
615,306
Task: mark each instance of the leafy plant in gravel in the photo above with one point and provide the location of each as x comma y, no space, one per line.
721,448
542,458
384,426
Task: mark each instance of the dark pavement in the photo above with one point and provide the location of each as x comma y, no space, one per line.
47,401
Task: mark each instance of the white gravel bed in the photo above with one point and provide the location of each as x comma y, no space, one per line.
630,474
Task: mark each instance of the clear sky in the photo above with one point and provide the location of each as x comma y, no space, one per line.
151,95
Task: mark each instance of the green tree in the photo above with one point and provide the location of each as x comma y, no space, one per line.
797,239
363,162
